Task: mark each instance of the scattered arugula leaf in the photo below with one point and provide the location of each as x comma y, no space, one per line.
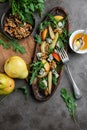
70,102
35,68
4,44
24,91
15,46
38,39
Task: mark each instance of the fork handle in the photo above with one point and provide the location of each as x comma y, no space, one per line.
77,92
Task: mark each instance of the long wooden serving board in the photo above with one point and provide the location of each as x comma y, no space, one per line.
43,93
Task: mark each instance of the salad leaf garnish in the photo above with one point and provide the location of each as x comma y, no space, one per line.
23,7
15,46
70,102
35,67
38,39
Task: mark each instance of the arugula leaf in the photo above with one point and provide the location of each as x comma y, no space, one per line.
44,25
63,38
29,18
53,21
35,67
15,46
54,80
24,91
64,21
59,66
31,6
61,43
38,39
41,1
40,7
41,84
50,50
70,102
4,44
21,7
69,34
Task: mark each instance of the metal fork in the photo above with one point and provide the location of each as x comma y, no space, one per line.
65,59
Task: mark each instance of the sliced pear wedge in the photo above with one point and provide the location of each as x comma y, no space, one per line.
43,45
58,17
54,41
50,82
51,32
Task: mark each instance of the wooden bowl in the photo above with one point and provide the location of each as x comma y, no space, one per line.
4,17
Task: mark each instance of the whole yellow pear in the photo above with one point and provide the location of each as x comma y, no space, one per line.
7,84
15,67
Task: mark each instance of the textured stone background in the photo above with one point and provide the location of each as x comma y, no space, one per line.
18,114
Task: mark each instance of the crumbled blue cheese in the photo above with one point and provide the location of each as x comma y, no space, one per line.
60,25
50,58
44,82
49,40
55,73
42,71
39,56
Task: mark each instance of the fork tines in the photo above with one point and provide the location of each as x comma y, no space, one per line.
63,54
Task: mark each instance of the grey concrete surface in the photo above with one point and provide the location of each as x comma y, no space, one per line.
18,114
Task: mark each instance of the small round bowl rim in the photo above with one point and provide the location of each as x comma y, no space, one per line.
70,41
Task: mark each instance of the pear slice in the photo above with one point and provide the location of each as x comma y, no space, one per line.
51,32
54,41
58,17
50,82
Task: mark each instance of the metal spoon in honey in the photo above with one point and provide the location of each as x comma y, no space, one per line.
79,41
